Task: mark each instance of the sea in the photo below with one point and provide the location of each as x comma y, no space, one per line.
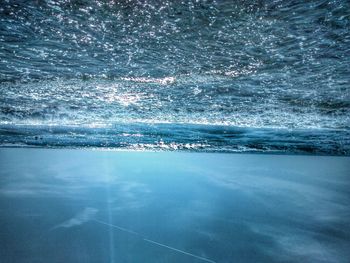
205,76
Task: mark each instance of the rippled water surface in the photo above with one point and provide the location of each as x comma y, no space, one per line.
198,75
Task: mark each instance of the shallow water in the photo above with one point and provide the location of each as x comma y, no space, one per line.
271,76
101,206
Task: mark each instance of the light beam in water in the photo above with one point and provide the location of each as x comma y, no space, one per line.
153,242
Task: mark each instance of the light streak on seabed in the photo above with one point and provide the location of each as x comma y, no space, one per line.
143,238
147,240
110,218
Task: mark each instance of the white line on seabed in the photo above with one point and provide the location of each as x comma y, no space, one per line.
153,242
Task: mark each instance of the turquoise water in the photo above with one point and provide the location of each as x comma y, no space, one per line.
265,76
62,205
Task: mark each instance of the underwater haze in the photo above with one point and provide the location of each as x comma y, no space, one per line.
227,76
156,207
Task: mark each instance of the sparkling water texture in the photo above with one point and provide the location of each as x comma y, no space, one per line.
260,76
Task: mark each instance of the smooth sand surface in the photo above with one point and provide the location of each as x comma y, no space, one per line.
104,206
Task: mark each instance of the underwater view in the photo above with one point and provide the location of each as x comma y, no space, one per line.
226,76
174,131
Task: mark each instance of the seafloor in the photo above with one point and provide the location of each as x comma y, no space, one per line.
107,206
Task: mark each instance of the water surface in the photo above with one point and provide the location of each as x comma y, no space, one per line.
262,76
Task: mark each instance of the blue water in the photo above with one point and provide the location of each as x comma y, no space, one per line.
99,206
256,76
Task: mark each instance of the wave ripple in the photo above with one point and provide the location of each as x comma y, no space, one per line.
211,75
